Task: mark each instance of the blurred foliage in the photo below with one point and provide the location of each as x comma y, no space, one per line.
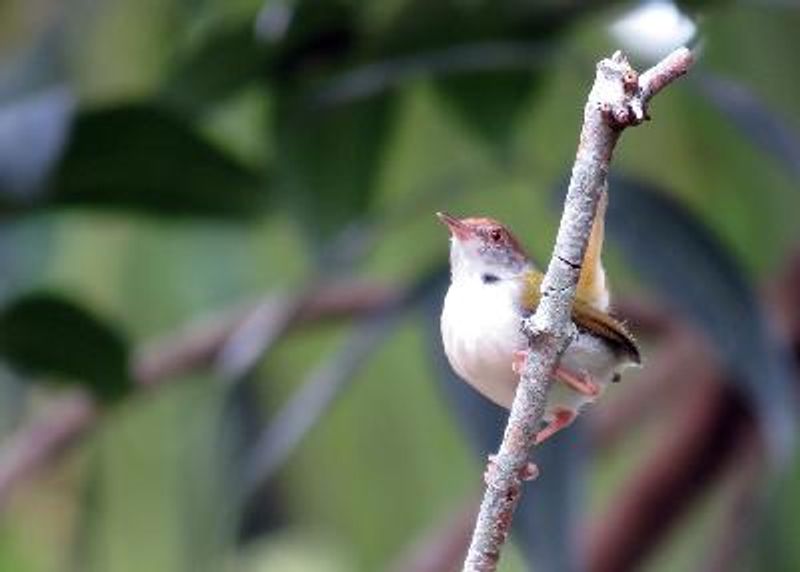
87,351
162,160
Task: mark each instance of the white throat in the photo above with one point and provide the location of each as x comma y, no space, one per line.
481,322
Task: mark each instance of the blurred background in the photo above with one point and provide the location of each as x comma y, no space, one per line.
221,276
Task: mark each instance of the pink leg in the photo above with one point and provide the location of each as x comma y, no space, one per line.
563,418
579,381
490,467
518,361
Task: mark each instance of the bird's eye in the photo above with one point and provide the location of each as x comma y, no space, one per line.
495,235
490,278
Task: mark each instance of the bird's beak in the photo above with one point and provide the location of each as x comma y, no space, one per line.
457,228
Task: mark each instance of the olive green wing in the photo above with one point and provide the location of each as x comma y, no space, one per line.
607,327
587,317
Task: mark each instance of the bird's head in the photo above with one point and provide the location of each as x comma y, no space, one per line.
483,248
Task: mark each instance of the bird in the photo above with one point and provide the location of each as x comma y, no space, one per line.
493,286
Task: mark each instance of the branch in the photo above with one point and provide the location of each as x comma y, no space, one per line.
316,395
721,438
623,537
618,99
693,453
166,360
32,445
198,344
743,511
377,77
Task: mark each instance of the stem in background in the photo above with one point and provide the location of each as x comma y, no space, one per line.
695,448
42,440
34,444
618,99
313,399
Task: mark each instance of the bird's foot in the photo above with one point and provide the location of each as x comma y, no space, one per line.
580,381
563,418
488,474
518,361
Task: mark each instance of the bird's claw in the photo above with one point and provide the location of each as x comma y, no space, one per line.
518,361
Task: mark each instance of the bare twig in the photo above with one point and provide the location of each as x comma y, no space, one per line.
375,78
254,336
166,360
32,445
741,516
718,435
313,398
198,344
694,449
618,99
327,381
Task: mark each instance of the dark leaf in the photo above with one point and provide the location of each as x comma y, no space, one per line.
424,25
227,61
45,334
766,129
504,62
489,102
546,521
330,158
481,55
328,155
683,261
142,158
318,35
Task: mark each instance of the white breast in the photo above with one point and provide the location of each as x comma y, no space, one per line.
481,331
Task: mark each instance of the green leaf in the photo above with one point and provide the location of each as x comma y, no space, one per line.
423,25
330,156
481,55
318,33
488,102
764,128
45,334
228,61
677,255
139,157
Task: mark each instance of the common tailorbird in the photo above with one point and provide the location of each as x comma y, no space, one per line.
493,286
